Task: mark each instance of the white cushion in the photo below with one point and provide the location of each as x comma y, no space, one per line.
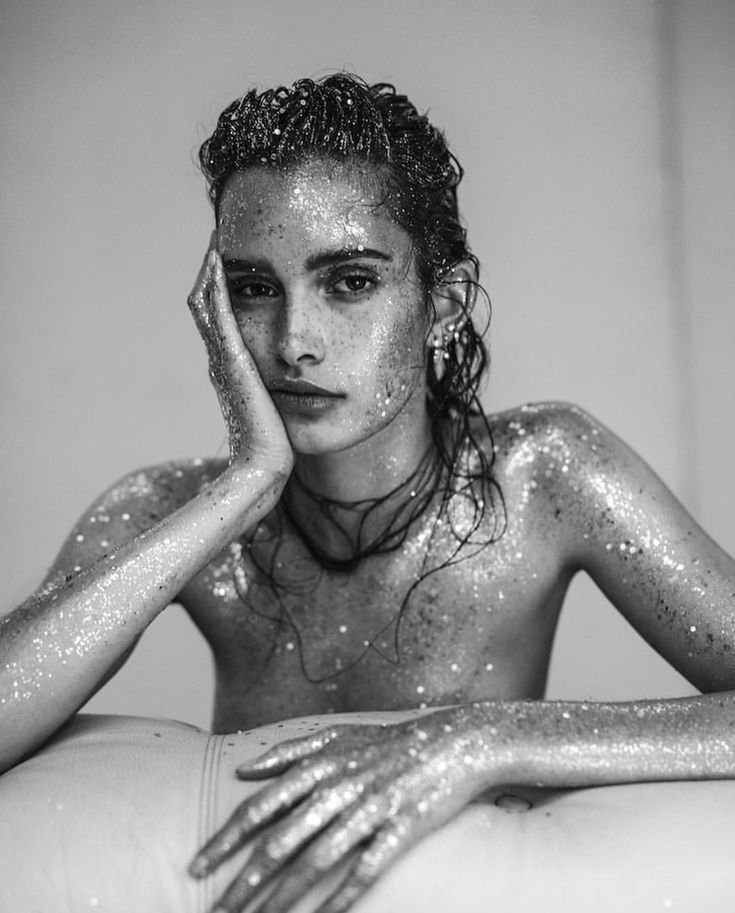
108,816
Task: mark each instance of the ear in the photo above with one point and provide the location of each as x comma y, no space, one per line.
453,298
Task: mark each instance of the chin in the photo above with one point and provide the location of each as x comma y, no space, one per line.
322,439
313,445
313,441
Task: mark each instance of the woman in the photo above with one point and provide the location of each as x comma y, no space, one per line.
374,542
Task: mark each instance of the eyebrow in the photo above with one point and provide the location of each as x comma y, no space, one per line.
330,257
314,262
238,265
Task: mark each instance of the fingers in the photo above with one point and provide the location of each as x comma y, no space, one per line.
276,760
209,302
283,842
388,845
326,846
336,845
221,308
253,814
212,311
197,300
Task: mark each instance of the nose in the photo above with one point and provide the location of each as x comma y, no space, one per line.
300,339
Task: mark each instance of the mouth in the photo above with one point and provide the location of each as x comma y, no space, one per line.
301,388
302,396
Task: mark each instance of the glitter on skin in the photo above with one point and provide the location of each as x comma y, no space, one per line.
576,499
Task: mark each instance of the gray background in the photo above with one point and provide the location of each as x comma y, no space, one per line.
598,139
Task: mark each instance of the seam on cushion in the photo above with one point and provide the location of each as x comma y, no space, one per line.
208,812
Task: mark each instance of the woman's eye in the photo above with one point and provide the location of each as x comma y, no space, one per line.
251,289
353,284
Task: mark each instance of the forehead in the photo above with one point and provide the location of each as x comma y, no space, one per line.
328,203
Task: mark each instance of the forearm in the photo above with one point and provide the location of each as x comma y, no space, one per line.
61,645
572,744
387,786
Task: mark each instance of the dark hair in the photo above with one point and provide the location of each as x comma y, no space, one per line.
342,118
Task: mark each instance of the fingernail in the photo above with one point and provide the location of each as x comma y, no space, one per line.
199,867
257,769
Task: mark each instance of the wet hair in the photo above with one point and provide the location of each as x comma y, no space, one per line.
406,158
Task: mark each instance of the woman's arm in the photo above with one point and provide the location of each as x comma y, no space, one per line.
106,587
653,561
365,795
368,795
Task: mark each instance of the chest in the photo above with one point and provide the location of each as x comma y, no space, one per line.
434,621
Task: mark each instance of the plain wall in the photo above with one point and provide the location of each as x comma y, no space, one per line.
598,140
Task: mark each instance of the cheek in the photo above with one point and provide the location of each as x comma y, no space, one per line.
258,336
401,343
388,361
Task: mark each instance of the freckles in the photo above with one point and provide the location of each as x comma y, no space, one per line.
234,213
259,339
226,228
393,359
247,214
399,346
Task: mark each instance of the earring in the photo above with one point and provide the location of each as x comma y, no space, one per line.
439,344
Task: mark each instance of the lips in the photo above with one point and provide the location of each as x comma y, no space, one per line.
301,388
300,397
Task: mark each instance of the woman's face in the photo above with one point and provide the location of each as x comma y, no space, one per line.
325,292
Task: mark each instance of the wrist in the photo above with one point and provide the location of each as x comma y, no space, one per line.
252,485
486,739
262,464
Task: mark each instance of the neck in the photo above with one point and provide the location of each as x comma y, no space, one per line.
374,492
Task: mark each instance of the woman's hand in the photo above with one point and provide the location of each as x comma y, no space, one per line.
351,793
253,423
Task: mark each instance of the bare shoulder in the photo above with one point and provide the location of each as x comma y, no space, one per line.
581,483
536,433
553,456
132,505
147,495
